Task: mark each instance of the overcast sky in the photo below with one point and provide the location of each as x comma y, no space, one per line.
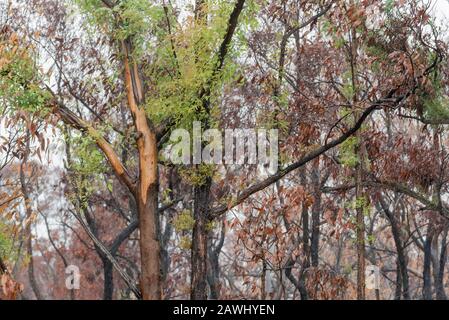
442,9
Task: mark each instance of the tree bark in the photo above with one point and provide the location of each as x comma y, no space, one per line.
427,279
199,252
28,233
3,268
316,210
299,284
402,260
146,193
108,282
359,194
214,266
202,193
149,244
440,262
214,275
398,289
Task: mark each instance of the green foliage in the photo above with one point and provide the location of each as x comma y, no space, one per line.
185,243
269,121
183,63
87,164
184,221
434,99
376,51
361,202
19,82
186,81
371,239
333,31
347,269
96,12
328,28
347,89
183,224
437,108
210,226
6,243
389,6
110,185
134,19
166,195
339,43
196,176
87,158
348,157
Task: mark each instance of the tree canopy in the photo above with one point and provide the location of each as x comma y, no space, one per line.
93,94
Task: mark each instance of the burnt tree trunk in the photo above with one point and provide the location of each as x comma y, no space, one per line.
108,281
316,209
305,263
440,262
3,268
398,288
199,253
214,265
402,260
214,274
427,277
200,237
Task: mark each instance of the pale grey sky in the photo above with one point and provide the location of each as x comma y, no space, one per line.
442,9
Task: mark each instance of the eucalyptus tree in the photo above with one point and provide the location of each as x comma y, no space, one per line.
159,87
122,74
